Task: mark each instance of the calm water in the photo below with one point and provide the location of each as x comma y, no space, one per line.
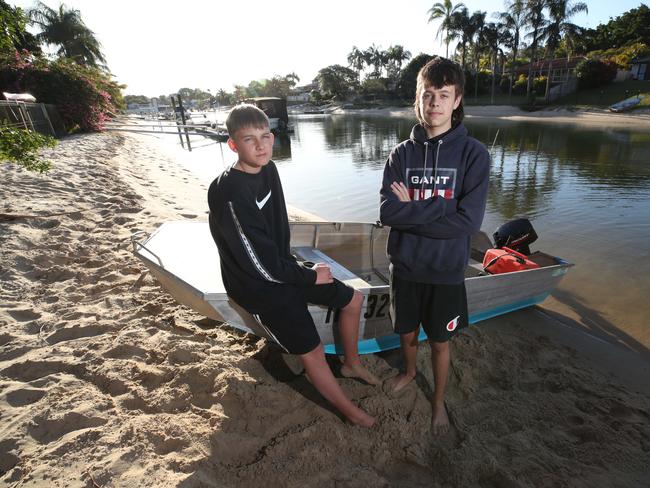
587,192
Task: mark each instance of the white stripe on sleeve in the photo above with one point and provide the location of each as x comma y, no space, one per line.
249,249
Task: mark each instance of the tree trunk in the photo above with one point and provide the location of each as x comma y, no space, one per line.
462,61
512,73
529,86
494,75
548,80
447,44
532,60
478,58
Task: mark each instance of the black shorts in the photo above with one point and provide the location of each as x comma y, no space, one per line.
441,309
292,326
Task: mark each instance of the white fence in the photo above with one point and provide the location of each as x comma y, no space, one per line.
39,117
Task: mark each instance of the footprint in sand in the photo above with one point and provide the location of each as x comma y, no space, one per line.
46,224
11,354
24,315
627,413
6,339
7,458
34,370
169,445
75,332
585,433
46,430
24,396
125,351
182,356
189,216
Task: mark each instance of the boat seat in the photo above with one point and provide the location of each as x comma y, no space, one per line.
340,272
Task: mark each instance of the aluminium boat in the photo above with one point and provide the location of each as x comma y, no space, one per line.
183,257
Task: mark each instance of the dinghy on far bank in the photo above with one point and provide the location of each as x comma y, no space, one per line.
625,105
184,258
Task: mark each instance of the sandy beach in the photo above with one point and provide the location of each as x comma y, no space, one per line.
106,381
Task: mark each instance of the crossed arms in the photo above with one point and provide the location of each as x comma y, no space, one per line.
436,217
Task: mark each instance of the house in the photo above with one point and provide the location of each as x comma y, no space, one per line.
562,69
301,93
641,68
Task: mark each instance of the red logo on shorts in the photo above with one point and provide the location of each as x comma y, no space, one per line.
452,324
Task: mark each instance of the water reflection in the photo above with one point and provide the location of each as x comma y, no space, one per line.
586,191
282,147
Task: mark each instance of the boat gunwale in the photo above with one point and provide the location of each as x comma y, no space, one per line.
139,247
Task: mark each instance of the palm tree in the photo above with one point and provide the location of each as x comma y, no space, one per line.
464,29
444,11
478,22
396,55
514,20
376,57
492,40
357,60
65,28
534,19
560,11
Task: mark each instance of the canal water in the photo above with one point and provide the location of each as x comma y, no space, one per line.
586,191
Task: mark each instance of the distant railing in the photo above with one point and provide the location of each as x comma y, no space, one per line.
39,117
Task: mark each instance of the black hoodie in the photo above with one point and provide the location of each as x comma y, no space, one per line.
447,177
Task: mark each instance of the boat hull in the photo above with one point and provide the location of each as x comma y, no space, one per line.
184,258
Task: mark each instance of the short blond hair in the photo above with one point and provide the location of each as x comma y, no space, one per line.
245,115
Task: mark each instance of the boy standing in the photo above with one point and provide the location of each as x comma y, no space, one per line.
433,197
249,223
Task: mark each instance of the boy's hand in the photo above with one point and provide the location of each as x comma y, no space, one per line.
323,274
400,190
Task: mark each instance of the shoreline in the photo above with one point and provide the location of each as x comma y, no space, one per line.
640,119
103,374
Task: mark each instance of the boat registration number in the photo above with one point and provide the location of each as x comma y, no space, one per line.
376,308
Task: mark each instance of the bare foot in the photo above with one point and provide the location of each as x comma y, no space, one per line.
358,371
439,419
400,382
361,419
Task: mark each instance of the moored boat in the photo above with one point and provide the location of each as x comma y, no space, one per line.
184,258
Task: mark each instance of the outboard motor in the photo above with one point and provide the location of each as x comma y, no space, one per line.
516,234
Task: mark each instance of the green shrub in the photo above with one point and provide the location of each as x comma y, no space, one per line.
520,85
593,73
539,85
20,146
374,86
407,82
484,83
622,56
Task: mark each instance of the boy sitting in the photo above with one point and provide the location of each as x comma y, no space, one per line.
249,223
433,196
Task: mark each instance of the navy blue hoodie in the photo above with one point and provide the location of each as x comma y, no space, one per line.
447,178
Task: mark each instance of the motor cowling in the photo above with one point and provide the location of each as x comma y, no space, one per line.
517,234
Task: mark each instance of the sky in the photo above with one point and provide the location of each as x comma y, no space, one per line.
157,47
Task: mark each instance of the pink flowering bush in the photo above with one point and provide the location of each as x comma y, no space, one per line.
85,97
